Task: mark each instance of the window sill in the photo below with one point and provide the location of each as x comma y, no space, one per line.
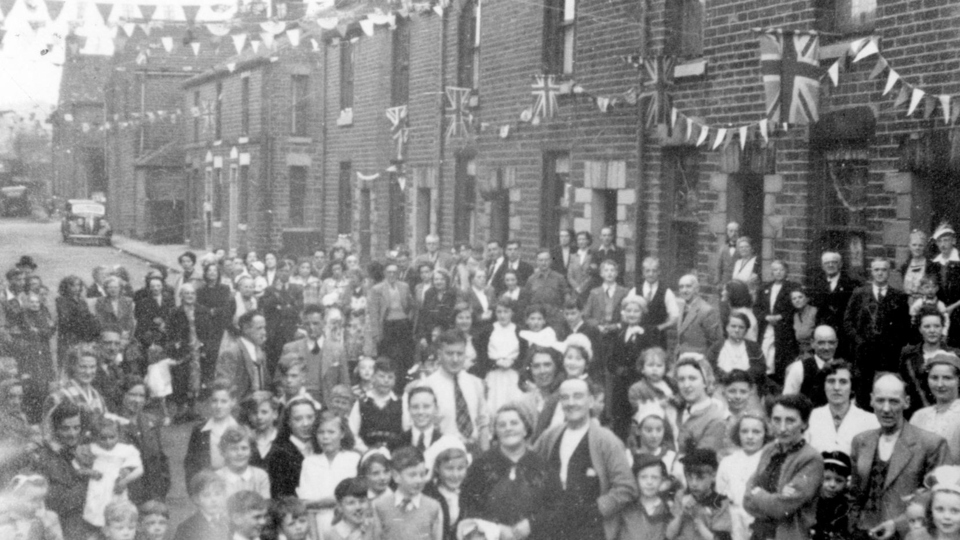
691,69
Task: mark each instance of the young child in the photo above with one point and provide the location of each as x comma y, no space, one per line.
929,286
353,507
207,491
377,420
260,412
154,521
203,448
364,374
289,520
118,465
375,469
833,506
27,496
449,471
748,435
650,436
409,513
237,473
537,332
653,367
503,350
652,515
159,380
341,400
320,473
292,373
247,512
120,520
698,510
943,505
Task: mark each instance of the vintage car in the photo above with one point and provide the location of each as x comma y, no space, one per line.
84,221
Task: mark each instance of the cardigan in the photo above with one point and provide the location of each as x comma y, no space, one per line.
796,513
618,487
703,428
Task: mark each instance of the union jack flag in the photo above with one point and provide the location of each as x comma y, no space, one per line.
545,90
658,75
399,130
790,65
458,100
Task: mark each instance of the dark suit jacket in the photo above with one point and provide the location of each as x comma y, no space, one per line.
197,457
699,329
593,311
68,490
831,306
725,263
406,439
283,467
146,310
916,453
377,307
123,318
234,364
785,339
556,259
470,297
196,527
206,328
437,310
325,369
449,529
881,326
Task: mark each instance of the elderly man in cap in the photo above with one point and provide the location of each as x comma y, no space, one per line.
943,417
947,267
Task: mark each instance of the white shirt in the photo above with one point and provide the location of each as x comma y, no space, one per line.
732,476
493,271
513,295
877,290
823,434
944,422
413,504
565,252
582,255
503,343
416,435
774,292
482,298
250,347
569,442
252,479
319,475
743,269
474,394
733,356
794,379
886,445
216,430
453,502
954,257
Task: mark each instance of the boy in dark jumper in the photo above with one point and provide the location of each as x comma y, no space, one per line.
377,419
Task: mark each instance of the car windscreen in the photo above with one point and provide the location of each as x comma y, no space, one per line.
87,209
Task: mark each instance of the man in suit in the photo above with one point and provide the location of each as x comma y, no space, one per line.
662,309
326,361
877,323
96,288
547,287
774,311
433,255
281,304
899,453
560,255
512,261
582,267
589,481
830,290
494,260
727,254
603,305
243,361
390,309
699,327
608,250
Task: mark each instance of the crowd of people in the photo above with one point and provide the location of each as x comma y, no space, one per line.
470,394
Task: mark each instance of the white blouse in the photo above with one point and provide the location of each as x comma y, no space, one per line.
733,356
319,476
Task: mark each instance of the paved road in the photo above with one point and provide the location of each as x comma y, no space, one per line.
56,261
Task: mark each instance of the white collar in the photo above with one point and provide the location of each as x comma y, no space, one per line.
302,446
250,347
427,433
213,425
954,257
576,431
246,475
414,501
699,407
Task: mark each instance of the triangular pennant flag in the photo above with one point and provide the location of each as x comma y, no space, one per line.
929,104
231,66
190,13
402,180
167,42
673,117
721,136
858,44
293,35
104,10
915,98
239,40
145,27
274,27
878,68
704,133
763,130
902,97
504,131
255,45
147,10
603,104
892,79
328,23
438,9
267,38
367,26
868,50
743,137
54,7
195,45
834,73
129,28
689,128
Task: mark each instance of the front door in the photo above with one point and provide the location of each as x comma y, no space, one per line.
233,210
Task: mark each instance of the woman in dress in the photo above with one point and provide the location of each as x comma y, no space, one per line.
322,471
75,323
296,439
142,430
745,268
113,309
943,417
914,359
507,484
917,265
438,304
737,353
702,420
217,297
80,369
749,433
736,295
152,310
481,298
336,284
804,319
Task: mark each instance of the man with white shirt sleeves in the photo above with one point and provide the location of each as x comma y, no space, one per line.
834,425
588,471
460,395
806,375
662,309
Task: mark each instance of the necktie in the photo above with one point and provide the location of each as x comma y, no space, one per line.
648,293
316,347
464,422
405,504
420,442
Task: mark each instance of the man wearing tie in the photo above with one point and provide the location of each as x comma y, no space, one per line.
326,363
877,323
830,291
390,308
560,255
243,362
523,269
608,250
727,254
495,260
423,432
281,304
434,256
662,309
699,327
